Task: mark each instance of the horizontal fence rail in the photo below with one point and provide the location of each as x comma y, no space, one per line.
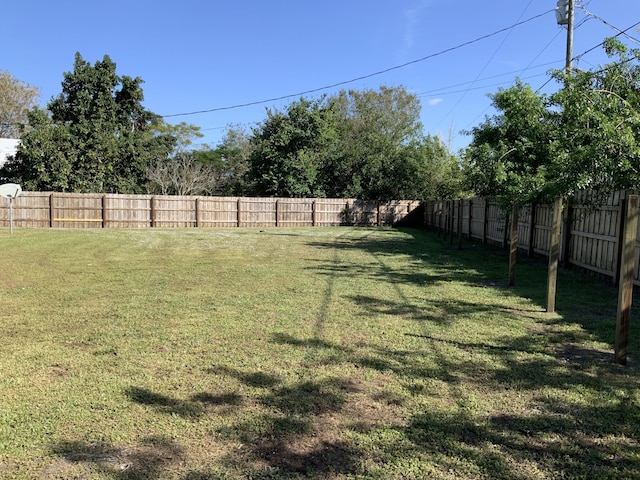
70,210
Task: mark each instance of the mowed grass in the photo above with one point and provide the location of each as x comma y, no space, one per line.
303,353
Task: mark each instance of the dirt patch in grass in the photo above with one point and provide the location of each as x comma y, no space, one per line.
580,355
82,460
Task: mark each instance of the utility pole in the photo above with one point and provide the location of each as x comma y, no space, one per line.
564,16
569,36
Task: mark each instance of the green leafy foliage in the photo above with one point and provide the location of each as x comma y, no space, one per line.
510,152
598,127
290,148
95,137
379,132
584,137
16,99
364,144
231,160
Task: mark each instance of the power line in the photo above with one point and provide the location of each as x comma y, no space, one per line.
540,53
520,70
212,128
578,57
481,87
582,22
528,67
363,77
620,32
455,105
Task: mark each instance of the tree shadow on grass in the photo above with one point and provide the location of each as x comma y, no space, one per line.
511,446
287,440
422,249
438,312
149,460
428,263
192,408
585,301
583,419
404,363
289,448
290,440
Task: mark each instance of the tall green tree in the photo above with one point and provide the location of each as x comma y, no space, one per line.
438,172
290,148
597,144
598,147
510,154
95,137
16,99
379,139
364,144
232,159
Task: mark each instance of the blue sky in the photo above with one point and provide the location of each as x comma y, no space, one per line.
196,55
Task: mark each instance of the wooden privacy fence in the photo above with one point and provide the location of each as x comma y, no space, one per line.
591,236
69,210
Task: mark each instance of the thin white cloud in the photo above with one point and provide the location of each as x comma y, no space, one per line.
435,101
413,19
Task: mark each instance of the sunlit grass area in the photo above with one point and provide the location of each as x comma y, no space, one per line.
303,353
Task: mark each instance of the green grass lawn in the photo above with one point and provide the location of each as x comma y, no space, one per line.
303,353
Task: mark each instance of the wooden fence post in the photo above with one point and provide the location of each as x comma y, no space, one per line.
425,209
314,218
347,214
505,234
104,211
460,224
452,208
485,221
239,221
618,265
444,217
532,229
153,211
566,234
435,219
277,211
470,218
625,288
51,212
554,254
197,212
513,247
